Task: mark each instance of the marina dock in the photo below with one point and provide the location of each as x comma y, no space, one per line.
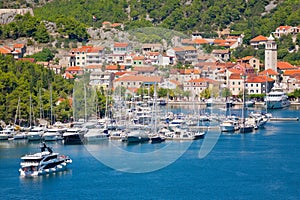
279,119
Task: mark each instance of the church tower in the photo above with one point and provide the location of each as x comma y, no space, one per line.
271,54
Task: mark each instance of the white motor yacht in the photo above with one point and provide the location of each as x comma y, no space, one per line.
44,162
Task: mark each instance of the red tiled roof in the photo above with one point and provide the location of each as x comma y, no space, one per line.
235,76
283,27
291,72
116,24
4,50
259,79
19,45
219,41
119,44
189,71
74,68
115,67
138,58
157,79
152,53
68,76
268,72
200,41
144,69
202,80
259,39
284,65
247,58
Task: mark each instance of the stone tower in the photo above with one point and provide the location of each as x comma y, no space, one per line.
271,54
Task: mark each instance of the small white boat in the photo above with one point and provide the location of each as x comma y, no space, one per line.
20,135
96,134
7,132
52,134
35,134
228,126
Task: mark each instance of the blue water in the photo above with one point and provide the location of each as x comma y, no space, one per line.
261,165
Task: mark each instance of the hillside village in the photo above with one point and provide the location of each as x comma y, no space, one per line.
123,64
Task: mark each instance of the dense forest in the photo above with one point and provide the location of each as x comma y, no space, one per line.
36,87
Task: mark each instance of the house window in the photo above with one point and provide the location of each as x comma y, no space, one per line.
122,83
82,58
257,85
78,63
251,85
78,58
246,84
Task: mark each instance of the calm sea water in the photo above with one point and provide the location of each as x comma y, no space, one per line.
261,165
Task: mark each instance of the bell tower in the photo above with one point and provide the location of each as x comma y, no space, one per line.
271,54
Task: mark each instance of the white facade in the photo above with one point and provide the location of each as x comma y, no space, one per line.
271,54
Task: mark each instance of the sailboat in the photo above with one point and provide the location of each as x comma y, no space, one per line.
244,126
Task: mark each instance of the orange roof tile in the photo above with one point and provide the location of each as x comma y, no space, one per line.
152,53
138,58
119,44
4,50
202,80
268,72
259,39
284,65
157,79
115,67
291,72
19,45
189,71
259,79
74,68
218,41
200,41
68,76
283,27
116,24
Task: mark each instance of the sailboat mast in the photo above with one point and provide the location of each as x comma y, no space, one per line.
51,107
30,110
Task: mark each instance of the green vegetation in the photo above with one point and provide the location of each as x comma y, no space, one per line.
19,79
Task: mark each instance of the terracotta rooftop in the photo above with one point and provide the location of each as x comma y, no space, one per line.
115,67
202,80
74,68
283,27
19,45
119,44
285,65
200,41
259,39
291,72
268,72
156,79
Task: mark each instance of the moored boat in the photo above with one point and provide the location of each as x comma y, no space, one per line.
44,162
277,99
